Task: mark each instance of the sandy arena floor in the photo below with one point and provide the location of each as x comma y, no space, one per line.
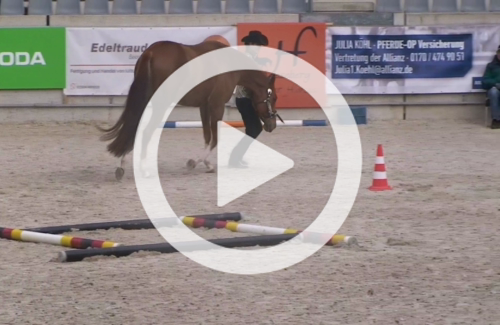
429,250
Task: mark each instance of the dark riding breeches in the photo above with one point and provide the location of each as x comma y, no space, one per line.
250,118
253,127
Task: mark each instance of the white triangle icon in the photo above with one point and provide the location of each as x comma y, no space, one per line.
263,164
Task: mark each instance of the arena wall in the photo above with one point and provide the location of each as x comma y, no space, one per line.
31,106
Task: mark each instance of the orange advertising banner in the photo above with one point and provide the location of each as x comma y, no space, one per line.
304,40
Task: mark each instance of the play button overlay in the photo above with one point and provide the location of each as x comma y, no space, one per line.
262,164
247,261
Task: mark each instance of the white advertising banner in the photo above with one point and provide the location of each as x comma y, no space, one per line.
410,59
101,61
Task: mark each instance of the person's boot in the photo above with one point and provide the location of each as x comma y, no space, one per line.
237,164
495,124
236,161
236,158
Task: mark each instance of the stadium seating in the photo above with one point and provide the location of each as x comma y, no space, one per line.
238,7
209,7
445,6
68,7
388,6
494,5
293,6
124,7
151,7
416,6
12,7
180,7
40,7
473,6
96,7
265,7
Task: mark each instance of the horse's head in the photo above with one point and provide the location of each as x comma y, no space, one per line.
264,101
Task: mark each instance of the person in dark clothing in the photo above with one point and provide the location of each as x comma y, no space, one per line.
491,83
253,125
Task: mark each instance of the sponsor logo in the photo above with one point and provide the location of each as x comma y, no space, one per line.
296,50
306,41
8,59
118,48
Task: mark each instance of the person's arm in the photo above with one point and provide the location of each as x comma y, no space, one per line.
488,78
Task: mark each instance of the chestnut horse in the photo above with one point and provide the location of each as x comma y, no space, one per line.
155,65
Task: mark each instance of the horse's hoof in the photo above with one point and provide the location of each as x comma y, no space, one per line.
210,169
119,172
191,164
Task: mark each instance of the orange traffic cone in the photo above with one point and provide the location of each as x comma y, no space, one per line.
379,174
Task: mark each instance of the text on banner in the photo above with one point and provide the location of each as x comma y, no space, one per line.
304,40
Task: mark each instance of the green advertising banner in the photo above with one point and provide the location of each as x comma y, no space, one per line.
32,58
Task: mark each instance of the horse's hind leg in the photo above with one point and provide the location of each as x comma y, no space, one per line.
119,172
216,114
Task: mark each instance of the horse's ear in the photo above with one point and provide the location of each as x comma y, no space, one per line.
272,79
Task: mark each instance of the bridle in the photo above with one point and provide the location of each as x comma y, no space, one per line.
267,101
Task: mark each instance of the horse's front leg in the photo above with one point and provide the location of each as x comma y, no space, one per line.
191,164
205,120
211,114
206,161
207,152
204,158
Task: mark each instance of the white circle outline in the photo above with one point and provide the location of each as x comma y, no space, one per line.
272,258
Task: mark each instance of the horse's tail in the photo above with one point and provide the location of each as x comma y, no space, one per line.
124,131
